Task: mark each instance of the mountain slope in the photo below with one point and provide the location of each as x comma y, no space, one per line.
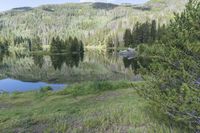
167,5
92,22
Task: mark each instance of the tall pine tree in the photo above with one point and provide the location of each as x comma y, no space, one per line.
127,38
153,31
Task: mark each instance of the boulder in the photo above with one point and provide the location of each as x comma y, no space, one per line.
129,53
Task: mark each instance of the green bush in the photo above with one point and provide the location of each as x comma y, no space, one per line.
94,87
46,89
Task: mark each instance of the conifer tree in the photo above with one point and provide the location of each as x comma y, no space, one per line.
53,47
36,44
146,32
175,69
153,31
127,38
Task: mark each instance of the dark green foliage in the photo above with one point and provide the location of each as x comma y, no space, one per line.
3,48
70,45
31,44
70,59
176,68
142,33
145,33
137,63
81,46
94,87
136,34
75,45
35,44
38,59
127,38
46,89
4,44
153,31
161,32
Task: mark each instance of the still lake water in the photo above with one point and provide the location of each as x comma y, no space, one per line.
24,72
11,85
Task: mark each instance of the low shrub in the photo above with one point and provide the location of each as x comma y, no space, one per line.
46,89
94,87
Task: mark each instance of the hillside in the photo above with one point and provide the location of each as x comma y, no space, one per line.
167,5
92,22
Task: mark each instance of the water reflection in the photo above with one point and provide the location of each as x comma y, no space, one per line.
136,63
68,68
69,59
12,85
38,59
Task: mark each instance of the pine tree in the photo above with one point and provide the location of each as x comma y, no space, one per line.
75,45
175,69
146,32
36,44
53,47
127,38
153,31
137,32
29,45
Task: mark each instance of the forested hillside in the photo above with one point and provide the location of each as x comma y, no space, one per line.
91,22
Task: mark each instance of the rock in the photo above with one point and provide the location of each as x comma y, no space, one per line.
129,53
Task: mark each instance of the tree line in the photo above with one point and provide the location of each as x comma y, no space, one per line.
57,44
143,33
31,44
73,45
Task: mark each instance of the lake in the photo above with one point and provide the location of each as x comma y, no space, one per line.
24,72
11,85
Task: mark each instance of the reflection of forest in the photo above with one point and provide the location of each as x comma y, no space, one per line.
62,68
58,60
136,63
69,59
38,59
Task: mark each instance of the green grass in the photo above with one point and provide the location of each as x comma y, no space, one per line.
110,107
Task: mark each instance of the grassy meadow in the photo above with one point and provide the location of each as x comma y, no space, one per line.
89,107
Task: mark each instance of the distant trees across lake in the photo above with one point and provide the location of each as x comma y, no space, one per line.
72,45
143,33
57,45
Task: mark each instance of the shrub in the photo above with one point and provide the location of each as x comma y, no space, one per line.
46,89
94,87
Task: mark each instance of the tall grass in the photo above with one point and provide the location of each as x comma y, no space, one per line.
103,106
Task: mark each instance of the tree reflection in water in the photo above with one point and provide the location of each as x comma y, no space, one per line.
70,59
137,63
38,59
